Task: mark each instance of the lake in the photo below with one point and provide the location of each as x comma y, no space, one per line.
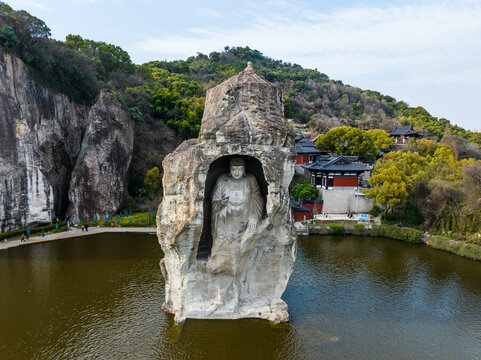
349,298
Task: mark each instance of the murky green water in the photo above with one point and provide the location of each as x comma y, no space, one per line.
349,298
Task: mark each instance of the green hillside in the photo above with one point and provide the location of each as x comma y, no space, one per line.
173,91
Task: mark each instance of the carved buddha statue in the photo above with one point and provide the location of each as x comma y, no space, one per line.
237,204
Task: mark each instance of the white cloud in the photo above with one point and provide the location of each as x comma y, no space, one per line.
434,41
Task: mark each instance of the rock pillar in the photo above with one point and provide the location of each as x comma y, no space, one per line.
244,275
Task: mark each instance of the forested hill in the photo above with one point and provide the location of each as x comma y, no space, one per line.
310,96
172,92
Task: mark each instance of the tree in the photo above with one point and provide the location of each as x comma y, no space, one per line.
424,147
395,176
471,175
30,26
136,114
153,178
8,37
109,58
441,208
381,139
448,140
5,8
348,140
389,186
304,191
443,164
411,164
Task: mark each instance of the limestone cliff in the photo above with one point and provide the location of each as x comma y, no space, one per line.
99,178
52,148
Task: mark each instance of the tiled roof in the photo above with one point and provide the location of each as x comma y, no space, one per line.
307,148
404,130
313,201
301,209
334,163
303,139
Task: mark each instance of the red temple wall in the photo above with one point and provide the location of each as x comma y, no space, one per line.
300,216
345,181
302,159
315,208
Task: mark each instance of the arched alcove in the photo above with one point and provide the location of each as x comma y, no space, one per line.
218,167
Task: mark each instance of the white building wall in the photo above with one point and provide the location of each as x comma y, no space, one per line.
343,201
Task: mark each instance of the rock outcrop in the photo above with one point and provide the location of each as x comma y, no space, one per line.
100,176
43,136
243,117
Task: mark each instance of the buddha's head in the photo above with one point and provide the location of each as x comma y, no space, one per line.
237,168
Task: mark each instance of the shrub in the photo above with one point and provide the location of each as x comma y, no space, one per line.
471,251
400,233
375,210
34,230
337,229
359,227
137,115
359,230
391,216
136,221
304,192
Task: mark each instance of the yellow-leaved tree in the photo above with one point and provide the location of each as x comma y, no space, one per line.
382,140
394,176
153,178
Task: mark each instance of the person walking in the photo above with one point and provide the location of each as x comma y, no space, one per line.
86,227
23,238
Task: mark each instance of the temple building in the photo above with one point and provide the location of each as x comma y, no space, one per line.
402,134
329,172
307,152
339,180
306,209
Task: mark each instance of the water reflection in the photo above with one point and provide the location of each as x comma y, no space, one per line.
100,297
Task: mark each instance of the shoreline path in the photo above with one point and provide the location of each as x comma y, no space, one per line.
75,233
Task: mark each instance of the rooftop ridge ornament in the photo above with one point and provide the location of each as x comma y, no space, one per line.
225,224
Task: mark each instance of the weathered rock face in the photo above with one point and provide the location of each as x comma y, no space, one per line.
100,176
42,135
205,278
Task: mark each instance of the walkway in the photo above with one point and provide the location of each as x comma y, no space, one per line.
354,217
73,232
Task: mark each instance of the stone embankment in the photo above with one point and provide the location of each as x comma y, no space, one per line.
410,235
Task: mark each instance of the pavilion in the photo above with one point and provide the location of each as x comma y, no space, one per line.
402,134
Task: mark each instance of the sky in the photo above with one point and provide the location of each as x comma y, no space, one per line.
426,53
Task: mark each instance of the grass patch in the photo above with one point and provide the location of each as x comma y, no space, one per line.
135,220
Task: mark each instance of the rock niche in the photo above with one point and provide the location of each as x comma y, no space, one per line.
224,224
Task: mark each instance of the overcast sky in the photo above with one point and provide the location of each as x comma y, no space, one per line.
426,53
